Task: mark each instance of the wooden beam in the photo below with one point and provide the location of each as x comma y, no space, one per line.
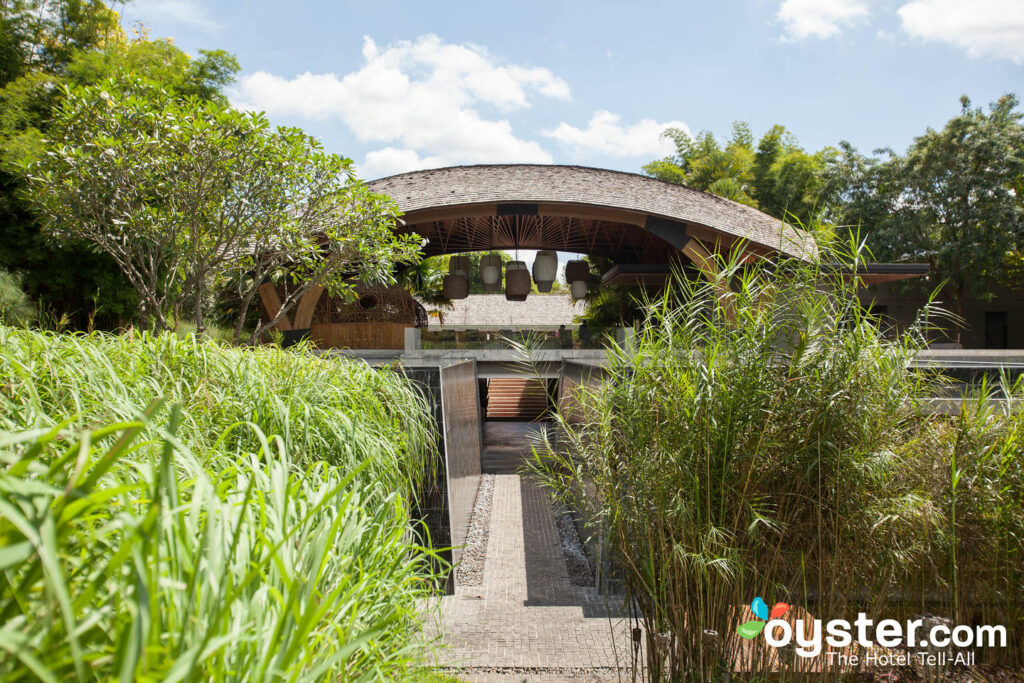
594,213
446,213
272,304
702,258
307,304
705,262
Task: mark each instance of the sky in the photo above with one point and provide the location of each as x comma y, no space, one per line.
399,86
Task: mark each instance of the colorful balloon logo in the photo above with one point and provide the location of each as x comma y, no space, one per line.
750,629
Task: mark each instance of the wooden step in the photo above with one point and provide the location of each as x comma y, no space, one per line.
516,398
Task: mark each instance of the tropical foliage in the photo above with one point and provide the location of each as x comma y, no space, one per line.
954,200
173,509
776,444
45,47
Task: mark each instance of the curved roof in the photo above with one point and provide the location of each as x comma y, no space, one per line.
647,198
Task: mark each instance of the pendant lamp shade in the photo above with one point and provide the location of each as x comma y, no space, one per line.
578,289
458,265
455,286
576,270
517,281
490,272
545,269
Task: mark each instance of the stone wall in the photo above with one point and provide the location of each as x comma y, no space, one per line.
495,309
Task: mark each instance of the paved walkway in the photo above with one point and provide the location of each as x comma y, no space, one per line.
527,622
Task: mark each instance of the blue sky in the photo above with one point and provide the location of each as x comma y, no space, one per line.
405,85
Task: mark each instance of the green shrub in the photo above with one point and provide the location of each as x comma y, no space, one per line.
15,307
776,444
257,530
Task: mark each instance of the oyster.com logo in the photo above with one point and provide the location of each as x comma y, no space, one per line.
751,629
928,642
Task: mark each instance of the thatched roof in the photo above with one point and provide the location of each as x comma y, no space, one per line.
629,197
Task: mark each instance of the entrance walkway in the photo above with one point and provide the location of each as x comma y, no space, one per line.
527,621
507,444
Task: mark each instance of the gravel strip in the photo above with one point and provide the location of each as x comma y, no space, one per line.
572,548
470,571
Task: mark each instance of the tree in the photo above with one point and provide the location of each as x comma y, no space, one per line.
46,34
52,48
955,201
778,177
181,193
702,163
325,229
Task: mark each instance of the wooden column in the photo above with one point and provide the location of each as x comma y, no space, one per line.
307,304
705,262
272,304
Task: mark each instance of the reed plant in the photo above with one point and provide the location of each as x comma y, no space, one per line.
762,436
171,509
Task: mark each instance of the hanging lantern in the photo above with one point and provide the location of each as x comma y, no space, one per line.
490,272
576,270
455,286
578,289
517,281
545,269
458,265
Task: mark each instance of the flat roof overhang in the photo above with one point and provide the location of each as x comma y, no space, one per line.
633,275
875,273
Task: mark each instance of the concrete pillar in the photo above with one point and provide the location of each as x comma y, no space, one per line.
413,339
624,337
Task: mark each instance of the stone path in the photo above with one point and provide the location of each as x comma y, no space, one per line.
527,622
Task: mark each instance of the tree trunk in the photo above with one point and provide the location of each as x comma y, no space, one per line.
243,313
198,312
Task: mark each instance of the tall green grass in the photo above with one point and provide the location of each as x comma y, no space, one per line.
778,445
178,510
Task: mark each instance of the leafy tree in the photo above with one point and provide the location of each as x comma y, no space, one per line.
45,34
955,200
701,163
52,46
777,176
183,193
425,281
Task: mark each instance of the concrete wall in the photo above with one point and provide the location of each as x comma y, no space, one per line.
462,435
574,376
902,302
432,506
571,376
495,309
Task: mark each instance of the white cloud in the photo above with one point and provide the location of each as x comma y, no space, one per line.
820,18
184,11
605,134
392,160
985,28
425,95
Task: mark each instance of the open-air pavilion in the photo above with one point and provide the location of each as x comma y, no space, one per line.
642,226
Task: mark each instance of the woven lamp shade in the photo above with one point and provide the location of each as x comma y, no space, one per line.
490,272
458,265
455,286
576,270
578,289
545,269
517,281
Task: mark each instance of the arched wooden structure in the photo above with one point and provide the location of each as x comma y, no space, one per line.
629,218
642,224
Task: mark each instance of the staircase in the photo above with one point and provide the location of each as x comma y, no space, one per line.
521,399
